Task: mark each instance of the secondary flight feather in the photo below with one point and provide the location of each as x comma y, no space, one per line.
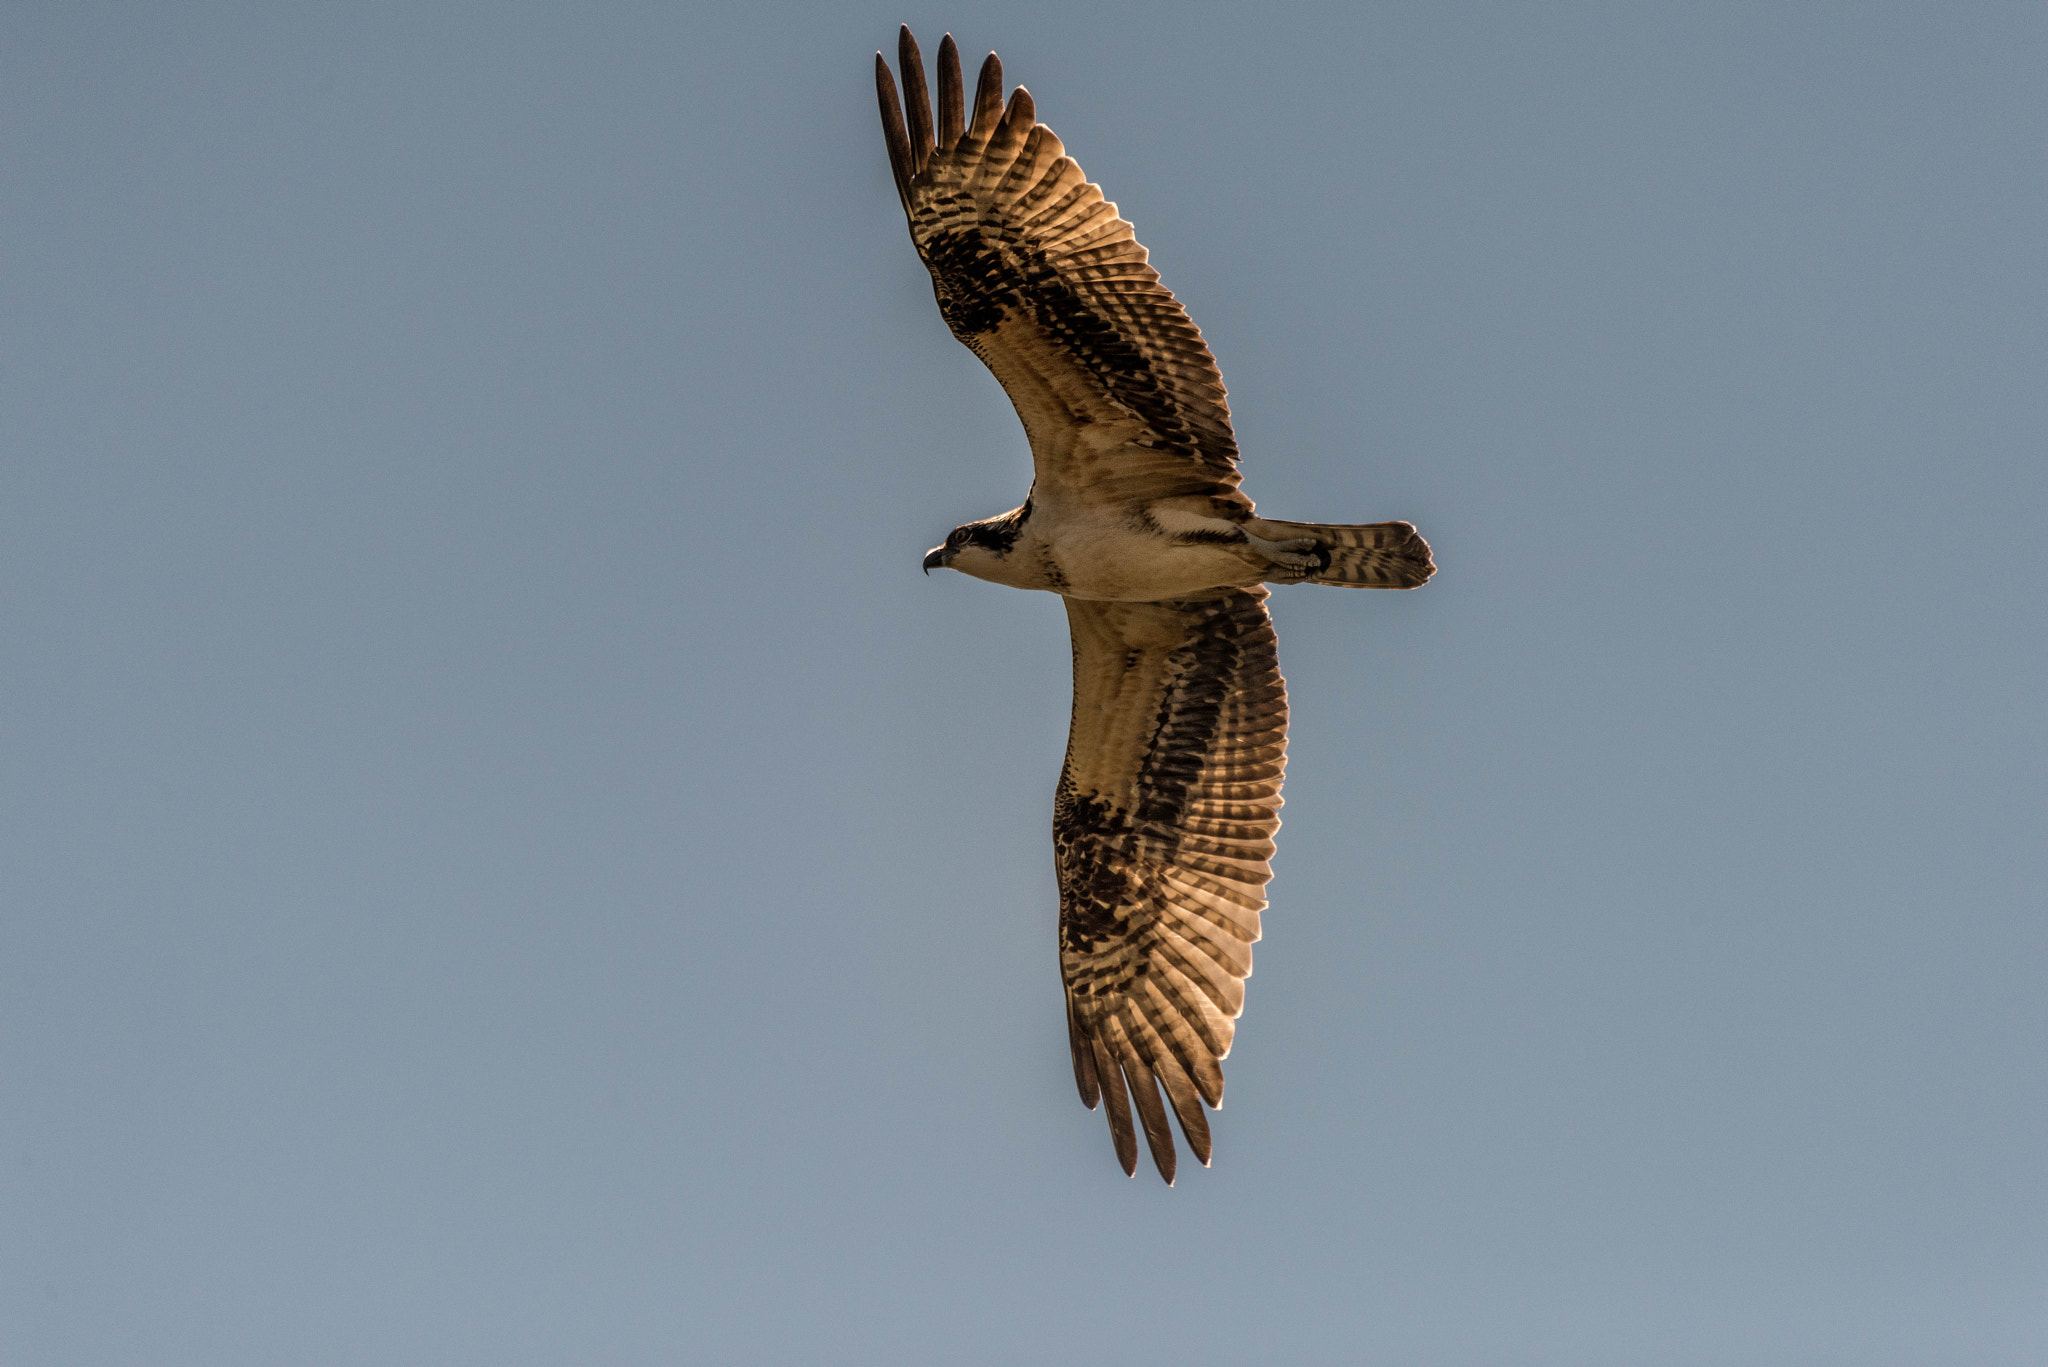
1164,817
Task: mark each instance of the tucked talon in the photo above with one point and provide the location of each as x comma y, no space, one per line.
1296,552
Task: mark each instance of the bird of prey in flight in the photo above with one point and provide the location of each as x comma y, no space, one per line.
1164,817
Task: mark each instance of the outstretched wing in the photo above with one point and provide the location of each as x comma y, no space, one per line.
1162,832
1037,274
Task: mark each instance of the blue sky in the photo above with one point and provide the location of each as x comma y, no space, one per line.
504,859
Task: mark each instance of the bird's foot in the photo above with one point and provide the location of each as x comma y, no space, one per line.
1302,554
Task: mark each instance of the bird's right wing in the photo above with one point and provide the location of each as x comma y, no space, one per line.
1162,832
1037,275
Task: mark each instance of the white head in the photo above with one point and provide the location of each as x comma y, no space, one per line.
986,549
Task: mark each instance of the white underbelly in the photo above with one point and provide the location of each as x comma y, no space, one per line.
1115,562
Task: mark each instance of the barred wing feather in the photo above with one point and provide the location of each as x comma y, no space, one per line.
1162,831
1038,275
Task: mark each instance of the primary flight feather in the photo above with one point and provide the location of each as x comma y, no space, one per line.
1164,818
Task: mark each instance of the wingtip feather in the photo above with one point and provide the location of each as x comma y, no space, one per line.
1145,1093
916,98
1085,1079
988,100
893,132
952,101
1022,110
1118,1105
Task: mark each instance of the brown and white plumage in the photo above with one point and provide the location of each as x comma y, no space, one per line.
1164,819
1039,277
1162,829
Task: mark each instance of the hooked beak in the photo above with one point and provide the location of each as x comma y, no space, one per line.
937,558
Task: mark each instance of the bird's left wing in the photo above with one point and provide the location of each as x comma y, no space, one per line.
1162,832
1037,274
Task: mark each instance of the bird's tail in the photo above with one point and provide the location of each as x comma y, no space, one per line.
1374,555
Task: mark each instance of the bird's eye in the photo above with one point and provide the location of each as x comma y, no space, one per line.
956,537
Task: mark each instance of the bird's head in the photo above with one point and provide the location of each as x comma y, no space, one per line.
981,549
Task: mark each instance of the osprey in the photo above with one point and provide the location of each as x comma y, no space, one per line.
1164,817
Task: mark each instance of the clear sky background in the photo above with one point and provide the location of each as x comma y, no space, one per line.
505,860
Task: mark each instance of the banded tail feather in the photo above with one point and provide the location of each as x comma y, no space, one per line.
1372,555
